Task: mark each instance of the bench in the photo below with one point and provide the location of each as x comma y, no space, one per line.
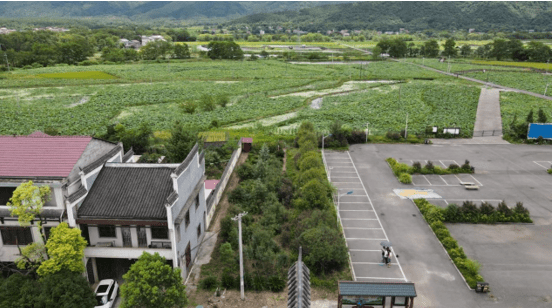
471,187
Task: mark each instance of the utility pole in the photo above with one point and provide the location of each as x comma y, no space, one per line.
545,90
238,218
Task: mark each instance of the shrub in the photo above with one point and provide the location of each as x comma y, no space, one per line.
416,167
486,208
227,280
189,107
504,209
549,171
246,171
455,253
258,283
433,214
437,225
405,178
429,166
442,233
466,165
393,136
453,167
209,283
276,283
452,213
449,243
324,249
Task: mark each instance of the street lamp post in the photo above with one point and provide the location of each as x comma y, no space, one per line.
339,196
324,137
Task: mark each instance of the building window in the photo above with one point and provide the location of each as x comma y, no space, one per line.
187,218
47,232
107,231
5,194
199,230
188,256
159,233
16,235
197,201
178,233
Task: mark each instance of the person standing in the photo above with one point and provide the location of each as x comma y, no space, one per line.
386,256
389,254
383,250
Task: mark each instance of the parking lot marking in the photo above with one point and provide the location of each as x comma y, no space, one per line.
343,177
374,263
444,181
476,180
361,228
356,210
377,217
368,250
358,219
379,278
365,239
543,161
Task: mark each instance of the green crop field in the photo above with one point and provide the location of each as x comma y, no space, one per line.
76,75
261,93
520,104
530,81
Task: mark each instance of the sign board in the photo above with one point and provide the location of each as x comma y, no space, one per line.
366,300
453,131
537,130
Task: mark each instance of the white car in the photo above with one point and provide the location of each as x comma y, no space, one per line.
106,292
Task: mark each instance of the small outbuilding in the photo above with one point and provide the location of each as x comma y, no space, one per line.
246,144
369,294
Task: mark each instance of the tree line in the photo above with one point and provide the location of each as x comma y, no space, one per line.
501,49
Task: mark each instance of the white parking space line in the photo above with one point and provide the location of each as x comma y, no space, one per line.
547,166
417,177
476,180
445,181
355,210
378,278
358,219
365,239
374,263
362,228
343,177
367,250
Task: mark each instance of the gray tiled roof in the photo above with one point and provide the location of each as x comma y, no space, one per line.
129,193
128,155
377,288
77,194
100,161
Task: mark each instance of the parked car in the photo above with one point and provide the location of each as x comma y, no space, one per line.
106,293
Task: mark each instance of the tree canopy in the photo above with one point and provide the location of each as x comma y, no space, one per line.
224,50
65,249
152,283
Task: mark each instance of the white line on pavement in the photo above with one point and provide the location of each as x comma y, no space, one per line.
377,217
358,219
378,278
355,228
365,239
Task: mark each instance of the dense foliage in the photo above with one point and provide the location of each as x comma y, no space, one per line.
152,283
434,217
63,289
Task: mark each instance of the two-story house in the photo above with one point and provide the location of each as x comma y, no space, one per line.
55,161
132,208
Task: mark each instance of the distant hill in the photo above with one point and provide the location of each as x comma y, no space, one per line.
140,10
391,16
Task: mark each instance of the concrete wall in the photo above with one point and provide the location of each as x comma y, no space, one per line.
215,197
187,182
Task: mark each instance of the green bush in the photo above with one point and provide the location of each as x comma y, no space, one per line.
405,178
228,281
209,283
442,233
276,283
549,171
449,243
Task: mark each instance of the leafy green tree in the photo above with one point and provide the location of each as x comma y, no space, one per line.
314,194
156,49
26,203
19,291
465,50
398,48
541,117
500,49
74,50
431,48
324,249
181,51
183,138
529,118
224,50
449,48
227,254
538,52
152,283
517,50
65,249
65,289
376,52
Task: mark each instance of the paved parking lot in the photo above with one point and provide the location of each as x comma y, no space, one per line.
515,258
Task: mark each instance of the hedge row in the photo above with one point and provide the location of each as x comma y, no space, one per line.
403,171
485,213
434,217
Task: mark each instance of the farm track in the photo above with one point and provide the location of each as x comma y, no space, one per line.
489,84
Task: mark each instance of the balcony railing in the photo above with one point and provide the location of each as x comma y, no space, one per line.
153,244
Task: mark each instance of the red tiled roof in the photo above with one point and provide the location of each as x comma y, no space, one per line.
40,155
211,184
247,140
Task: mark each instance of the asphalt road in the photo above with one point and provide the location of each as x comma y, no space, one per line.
515,258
